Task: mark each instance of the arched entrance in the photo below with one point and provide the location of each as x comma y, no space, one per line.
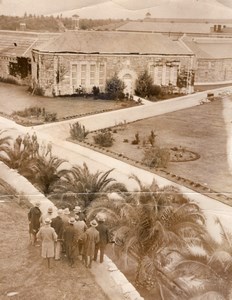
128,76
127,79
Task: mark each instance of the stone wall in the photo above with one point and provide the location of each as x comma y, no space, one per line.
5,71
213,70
63,74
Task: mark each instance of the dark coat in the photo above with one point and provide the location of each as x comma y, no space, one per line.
57,224
103,233
34,215
69,241
90,239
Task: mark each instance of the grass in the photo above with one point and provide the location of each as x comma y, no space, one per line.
16,98
200,129
23,270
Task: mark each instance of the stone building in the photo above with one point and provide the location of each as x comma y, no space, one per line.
15,55
83,59
213,59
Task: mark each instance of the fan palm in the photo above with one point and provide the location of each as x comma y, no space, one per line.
47,172
147,224
4,143
87,186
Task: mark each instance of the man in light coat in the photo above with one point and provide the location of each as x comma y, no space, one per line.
48,237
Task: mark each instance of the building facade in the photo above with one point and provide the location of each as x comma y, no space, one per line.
80,60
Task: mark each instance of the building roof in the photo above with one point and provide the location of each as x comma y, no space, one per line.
16,43
210,48
106,42
169,27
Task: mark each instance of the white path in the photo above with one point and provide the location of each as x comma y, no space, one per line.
76,154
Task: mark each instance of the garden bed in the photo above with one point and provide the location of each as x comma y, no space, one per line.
199,131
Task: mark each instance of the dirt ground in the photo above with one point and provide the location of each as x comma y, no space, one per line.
24,271
14,98
201,129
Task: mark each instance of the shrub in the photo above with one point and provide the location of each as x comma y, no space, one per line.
136,140
156,157
39,91
78,131
104,138
9,80
50,117
95,91
115,87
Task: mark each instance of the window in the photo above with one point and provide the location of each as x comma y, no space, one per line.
83,75
101,74
74,75
92,74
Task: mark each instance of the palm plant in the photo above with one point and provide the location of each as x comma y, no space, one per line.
4,143
147,225
87,186
47,172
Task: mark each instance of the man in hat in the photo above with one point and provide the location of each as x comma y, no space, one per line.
34,215
69,241
48,237
57,224
48,215
77,211
103,236
80,228
90,239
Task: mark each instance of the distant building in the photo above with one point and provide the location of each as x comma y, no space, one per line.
15,54
213,59
89,58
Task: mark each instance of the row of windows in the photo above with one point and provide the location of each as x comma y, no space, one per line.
164,75
87,74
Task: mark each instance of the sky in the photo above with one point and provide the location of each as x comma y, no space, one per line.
122,7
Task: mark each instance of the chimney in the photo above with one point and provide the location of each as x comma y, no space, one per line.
76,20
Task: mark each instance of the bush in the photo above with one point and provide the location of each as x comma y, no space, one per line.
28,112
9,80
50,117
156,157
115,87
39,91
78,131
104,138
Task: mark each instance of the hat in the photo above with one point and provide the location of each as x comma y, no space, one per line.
37,203
101,217
93,223
60,212
50,209
47,221
77,209
72,221
66,211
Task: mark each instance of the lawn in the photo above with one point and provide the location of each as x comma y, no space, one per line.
200,129
24,272
17,98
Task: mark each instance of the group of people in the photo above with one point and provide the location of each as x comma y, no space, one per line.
29,144
67,234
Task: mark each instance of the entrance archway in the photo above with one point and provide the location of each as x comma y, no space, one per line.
128,76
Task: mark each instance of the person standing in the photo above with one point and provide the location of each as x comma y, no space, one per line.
49,149
80,228
90,239
103,238
69,241
48,237
48,215
77,211
57,224
34,216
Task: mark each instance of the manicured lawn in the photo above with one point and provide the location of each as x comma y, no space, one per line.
14,98
200,129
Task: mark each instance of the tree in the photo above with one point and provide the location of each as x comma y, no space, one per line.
4,143
150,225
87,186
144,85
47,173
115,87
